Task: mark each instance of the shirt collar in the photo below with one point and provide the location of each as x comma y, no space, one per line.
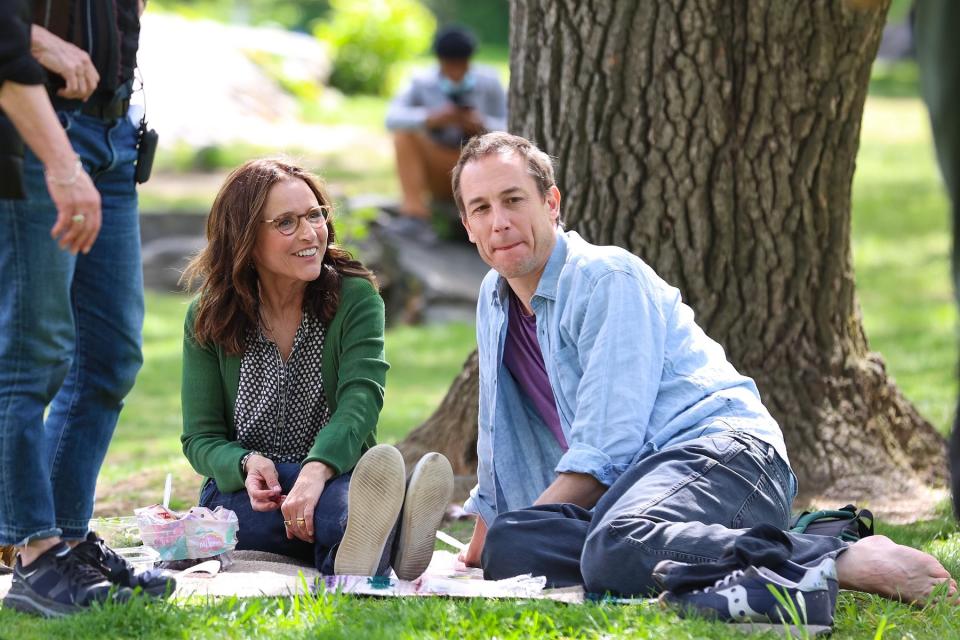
547,287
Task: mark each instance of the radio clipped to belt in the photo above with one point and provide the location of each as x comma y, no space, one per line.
146,142
146,150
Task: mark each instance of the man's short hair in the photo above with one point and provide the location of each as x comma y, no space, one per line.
454,43
539,165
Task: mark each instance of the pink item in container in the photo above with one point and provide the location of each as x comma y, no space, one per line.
199,533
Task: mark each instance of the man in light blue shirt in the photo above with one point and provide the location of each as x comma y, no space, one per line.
438,111
654,447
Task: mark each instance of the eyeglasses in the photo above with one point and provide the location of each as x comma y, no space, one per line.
288,224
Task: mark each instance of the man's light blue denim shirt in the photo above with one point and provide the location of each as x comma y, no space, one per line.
631,373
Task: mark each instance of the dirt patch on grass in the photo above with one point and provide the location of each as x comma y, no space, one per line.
120,498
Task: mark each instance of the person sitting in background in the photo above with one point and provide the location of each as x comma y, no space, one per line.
435,114
283,382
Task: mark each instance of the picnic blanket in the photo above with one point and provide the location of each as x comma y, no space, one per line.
259,574
255,574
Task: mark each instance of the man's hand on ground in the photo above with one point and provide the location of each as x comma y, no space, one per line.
70,62
471,555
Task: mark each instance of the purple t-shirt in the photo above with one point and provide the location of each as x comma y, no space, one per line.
523,358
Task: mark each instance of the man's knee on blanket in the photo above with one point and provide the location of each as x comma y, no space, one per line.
616,561
542,540
503,554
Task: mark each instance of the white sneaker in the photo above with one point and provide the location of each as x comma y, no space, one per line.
428,494
373,505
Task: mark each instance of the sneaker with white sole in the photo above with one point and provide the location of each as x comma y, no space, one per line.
373,506
744,597
428,494
58,583
115,568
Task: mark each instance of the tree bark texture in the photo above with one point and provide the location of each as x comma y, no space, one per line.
717,140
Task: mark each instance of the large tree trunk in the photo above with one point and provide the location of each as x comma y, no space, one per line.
717,140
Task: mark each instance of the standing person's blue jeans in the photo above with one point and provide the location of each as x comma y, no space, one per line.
69,338
686,503
264,530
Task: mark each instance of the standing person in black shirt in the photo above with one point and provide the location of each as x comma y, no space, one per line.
25,112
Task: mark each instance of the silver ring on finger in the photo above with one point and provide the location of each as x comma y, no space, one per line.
78,218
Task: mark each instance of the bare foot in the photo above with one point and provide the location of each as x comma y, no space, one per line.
877,564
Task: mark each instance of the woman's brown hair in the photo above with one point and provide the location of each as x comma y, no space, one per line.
229,303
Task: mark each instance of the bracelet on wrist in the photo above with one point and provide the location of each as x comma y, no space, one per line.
68,181
246,456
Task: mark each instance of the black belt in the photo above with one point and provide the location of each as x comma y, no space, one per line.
106,111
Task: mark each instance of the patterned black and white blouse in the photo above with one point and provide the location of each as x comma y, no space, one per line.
281,405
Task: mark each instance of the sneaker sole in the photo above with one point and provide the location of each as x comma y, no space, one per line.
428,494
26,600
795,631
161,591
373,505
38,605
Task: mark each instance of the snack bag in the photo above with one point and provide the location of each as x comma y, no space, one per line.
199,533
210,533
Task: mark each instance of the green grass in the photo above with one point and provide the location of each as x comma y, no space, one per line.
334,616
423,364
188,191
901,245
899,79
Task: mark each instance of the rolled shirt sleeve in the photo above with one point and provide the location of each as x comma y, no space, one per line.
478,505
619,353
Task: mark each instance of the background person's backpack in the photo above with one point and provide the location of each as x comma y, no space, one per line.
845,523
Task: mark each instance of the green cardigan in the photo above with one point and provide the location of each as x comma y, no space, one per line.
354,373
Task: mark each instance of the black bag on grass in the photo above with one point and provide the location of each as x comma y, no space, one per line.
845,523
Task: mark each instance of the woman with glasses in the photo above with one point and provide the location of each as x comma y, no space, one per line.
283,382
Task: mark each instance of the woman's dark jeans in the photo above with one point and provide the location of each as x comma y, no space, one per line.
264,530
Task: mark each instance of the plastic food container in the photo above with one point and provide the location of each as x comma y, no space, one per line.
142,557
117,532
